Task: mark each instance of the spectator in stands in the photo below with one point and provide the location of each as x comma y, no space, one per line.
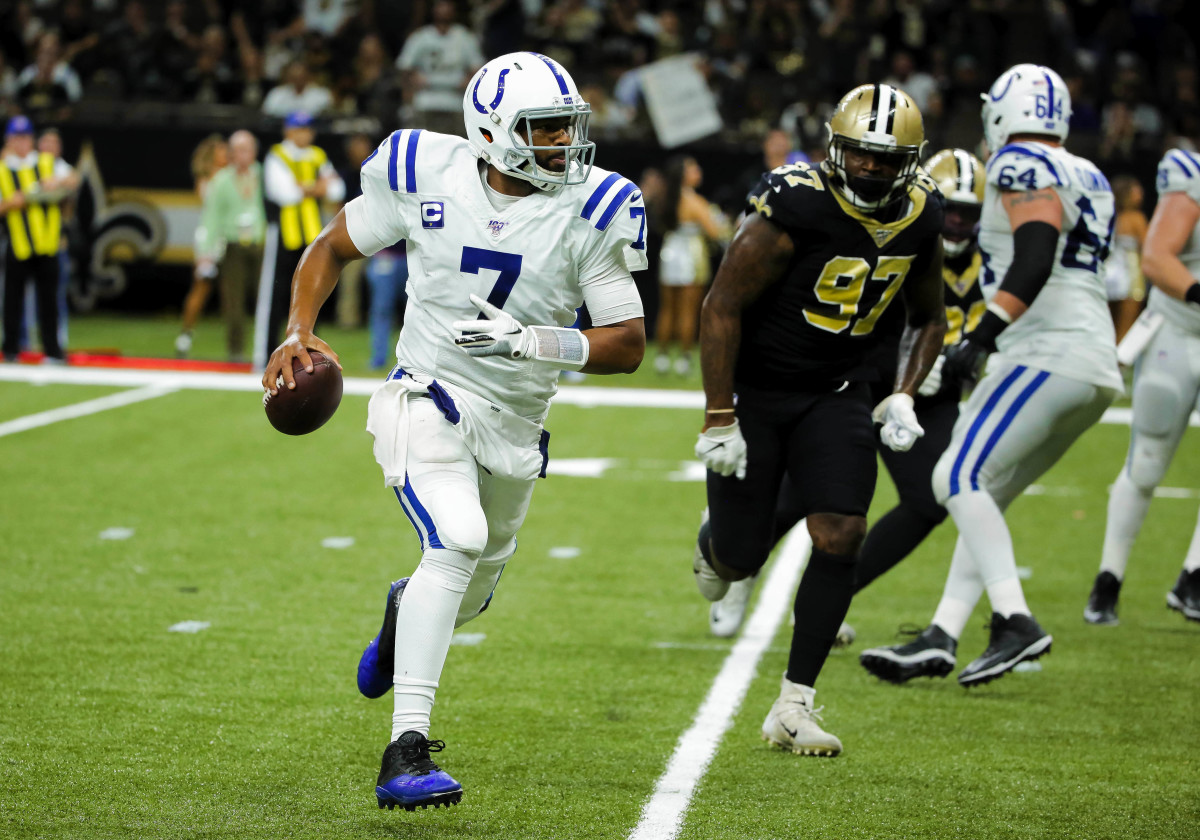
132,45
79,36
8,83
33,186
210,157
211,80
297,94
297,176
437,61
375,89
918,84
253,83
48,86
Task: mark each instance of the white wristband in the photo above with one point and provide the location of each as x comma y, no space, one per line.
1000,312
561,347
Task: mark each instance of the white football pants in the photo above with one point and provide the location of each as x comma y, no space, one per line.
467,521
1166,388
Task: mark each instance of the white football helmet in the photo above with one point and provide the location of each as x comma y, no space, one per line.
1026,99
506,96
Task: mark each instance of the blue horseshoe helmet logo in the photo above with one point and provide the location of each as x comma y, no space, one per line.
499,92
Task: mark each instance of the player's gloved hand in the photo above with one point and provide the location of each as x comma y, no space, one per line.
722,449
964,362
933,382
900,427
500,334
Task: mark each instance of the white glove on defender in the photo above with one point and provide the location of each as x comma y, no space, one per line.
933,382
723,450
900,427
503,335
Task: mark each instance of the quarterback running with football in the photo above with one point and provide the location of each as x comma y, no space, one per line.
1166,387
508,232
788,327
1044,232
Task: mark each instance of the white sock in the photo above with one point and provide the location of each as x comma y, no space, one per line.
483,583
424,626
1127,506
982,527
963,590
1192,562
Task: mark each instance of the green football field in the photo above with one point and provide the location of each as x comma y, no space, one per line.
560,706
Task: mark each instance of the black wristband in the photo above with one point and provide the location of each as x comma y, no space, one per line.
1193,294
990,326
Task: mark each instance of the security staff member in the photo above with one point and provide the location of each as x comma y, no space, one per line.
296,176
32,187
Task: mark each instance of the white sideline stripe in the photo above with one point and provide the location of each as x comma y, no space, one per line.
580,395
70,412
663,814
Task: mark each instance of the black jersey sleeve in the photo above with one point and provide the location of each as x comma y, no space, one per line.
784,195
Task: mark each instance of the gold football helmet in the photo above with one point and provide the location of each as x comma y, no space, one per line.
960,177
884,121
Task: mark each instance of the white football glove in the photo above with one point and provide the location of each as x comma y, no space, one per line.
722,449
933,382
500,334
900,427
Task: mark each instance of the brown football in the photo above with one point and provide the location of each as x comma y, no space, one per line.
312,402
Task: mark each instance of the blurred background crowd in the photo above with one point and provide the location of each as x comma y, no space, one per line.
162,75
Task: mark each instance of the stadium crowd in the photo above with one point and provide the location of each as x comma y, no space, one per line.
1131,67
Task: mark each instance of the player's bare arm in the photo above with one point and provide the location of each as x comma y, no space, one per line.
925,330
616,348
1023,208
757,257
317,274
1174,219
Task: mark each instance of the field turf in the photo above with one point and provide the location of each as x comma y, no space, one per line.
561,717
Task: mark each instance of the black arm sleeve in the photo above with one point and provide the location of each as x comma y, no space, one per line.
1034,244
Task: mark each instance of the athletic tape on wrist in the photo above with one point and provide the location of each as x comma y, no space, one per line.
565,348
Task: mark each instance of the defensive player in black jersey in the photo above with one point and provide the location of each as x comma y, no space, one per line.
960,177
788,327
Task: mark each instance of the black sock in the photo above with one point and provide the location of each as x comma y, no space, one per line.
821,605
704,540
889,541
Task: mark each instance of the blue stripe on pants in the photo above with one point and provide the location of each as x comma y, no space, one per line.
1004,423
423,515
988,407
404,508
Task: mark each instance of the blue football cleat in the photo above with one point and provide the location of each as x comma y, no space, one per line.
376,666
409,778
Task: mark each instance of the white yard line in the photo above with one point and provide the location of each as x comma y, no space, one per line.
580,395
663,814
70,412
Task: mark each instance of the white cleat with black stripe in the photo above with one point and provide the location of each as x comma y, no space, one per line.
792,724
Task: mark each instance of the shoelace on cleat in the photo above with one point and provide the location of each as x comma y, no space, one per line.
417,755
909,631
815,714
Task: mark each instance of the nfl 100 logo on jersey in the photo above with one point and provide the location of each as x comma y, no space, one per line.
433,214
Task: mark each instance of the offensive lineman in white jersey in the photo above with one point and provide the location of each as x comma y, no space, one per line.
1044,233
1166,386
511,227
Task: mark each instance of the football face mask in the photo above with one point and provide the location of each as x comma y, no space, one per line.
508,108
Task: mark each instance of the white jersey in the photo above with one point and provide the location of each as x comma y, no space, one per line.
539,259
1179,171
1068,329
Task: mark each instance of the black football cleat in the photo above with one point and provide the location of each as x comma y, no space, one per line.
930,654
1018,638
1184,597
1102,603
376,666
408,777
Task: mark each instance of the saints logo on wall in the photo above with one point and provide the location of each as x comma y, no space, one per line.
112,235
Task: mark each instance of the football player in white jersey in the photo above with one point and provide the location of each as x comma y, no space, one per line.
1166,386
509,232
1044,233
